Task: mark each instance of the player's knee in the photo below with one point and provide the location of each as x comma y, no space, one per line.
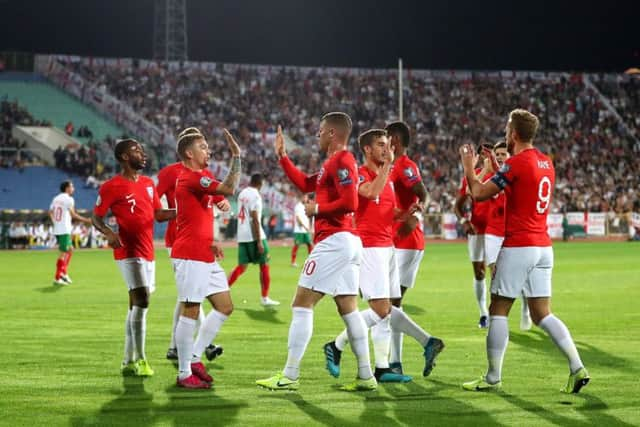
226,309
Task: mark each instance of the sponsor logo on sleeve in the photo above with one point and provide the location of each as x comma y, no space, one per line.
505,168
205,182
343,176
150,192
98,201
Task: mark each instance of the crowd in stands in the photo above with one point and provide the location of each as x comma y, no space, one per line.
39,235
592,152
14,153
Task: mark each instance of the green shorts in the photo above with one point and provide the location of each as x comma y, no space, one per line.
248,253
301,239
64,242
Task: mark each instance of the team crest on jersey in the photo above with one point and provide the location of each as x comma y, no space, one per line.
505,168
150,192
360,179
98,201
320,174
343,176
205,182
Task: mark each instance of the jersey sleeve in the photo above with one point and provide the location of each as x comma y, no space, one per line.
462,191
306,183
408,175
507,173
201,183
345,177
164,183
104,201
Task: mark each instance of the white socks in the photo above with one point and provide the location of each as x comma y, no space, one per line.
176,316
497,339
185,329
400,322
370,318
208,331
396,345
129,346
299,336
481,296
358,338
138,320
381,337
561,337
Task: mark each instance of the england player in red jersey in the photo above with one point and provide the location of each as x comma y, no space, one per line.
333,266
474,228
133,201
379,280
408,237
525,261
494,232
167,178
198,275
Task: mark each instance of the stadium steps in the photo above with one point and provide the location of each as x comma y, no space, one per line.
46,102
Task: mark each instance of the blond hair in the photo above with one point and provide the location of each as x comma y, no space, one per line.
524,123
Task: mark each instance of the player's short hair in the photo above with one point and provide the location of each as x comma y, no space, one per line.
64,186
500,144
401,130
186,138
524,123
484,145
366,138
339,120
122,146
255,180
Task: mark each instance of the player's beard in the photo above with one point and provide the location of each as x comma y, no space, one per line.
510,147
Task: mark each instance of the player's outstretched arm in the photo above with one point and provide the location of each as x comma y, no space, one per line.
79,217
162,215
228,186
479,191
112,238
305,183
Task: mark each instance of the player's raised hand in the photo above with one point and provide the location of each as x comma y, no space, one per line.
490,156
468,157
278,144
388,161
231,142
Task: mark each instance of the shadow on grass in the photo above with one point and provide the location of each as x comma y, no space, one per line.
135,407
593,410
412,310
266,315
421,400
49,289
131,407
314,412
537,341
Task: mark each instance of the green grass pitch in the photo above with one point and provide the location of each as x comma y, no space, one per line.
61,349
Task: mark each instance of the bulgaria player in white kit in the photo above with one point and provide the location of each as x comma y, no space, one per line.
61,211
301,229
252,241
333,267
525,261
379,279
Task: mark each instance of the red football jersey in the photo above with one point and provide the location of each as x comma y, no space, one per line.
133,204
404,176
194,221
374,218
495,217
167,178
479,210
528,179
336,192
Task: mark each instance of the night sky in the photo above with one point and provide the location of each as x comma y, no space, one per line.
526,35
